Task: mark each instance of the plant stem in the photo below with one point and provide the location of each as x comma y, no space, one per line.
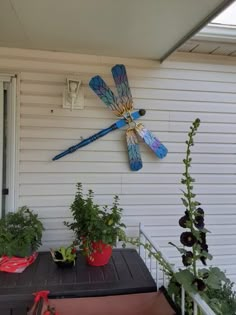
157,255
189,194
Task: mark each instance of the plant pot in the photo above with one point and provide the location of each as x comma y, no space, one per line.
60,261
64,264
101,254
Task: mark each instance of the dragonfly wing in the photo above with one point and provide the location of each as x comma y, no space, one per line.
157,147
104,93
122,85
135,160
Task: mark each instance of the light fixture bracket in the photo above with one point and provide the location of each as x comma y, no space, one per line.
73,96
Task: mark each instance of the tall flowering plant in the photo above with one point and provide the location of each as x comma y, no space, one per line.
211,283
193,239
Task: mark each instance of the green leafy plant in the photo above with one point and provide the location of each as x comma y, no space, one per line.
220,294
64,254
20,233
92,224
211,283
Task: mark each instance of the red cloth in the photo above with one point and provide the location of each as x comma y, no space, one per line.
42,308
41,295
16,264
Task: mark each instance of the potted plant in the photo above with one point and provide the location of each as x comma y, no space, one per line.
96,229
64,256
20,233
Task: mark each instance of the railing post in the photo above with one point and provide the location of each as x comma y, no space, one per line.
195,308
182,300
139,231
150,264
164,278
157,274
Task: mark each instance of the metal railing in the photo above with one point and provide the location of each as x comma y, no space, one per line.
199,305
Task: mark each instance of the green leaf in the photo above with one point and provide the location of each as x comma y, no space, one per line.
186,195
181,250
207,255
204,230
185,202
188,224
173,287
186,278
216,276
63,252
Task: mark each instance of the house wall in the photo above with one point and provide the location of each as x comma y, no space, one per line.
174,93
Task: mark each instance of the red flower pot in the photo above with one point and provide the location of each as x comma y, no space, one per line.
101,254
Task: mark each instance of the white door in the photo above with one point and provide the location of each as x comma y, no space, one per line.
7,143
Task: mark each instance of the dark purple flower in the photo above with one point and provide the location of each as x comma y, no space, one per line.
204,247
199,222
187,258
203,238
200,284
199,211
183,220
188,239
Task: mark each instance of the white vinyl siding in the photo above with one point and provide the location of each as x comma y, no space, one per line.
174,94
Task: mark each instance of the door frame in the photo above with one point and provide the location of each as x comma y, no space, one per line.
9,83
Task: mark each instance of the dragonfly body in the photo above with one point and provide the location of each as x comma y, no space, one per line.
117,125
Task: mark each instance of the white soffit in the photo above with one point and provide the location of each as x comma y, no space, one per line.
126,28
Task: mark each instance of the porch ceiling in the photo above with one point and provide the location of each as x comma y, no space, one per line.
134,28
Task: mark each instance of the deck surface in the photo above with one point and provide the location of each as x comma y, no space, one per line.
125,273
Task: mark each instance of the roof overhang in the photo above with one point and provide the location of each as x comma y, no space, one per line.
150,29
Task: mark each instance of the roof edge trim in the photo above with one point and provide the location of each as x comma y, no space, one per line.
216,32
198,27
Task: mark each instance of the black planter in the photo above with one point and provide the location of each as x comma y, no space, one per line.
64,264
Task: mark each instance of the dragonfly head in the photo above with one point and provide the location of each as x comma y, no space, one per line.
142,112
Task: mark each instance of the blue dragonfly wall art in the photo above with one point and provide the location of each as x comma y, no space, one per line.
122,106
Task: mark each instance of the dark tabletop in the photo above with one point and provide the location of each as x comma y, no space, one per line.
125,273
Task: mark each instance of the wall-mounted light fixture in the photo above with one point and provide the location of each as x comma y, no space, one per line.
73,96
